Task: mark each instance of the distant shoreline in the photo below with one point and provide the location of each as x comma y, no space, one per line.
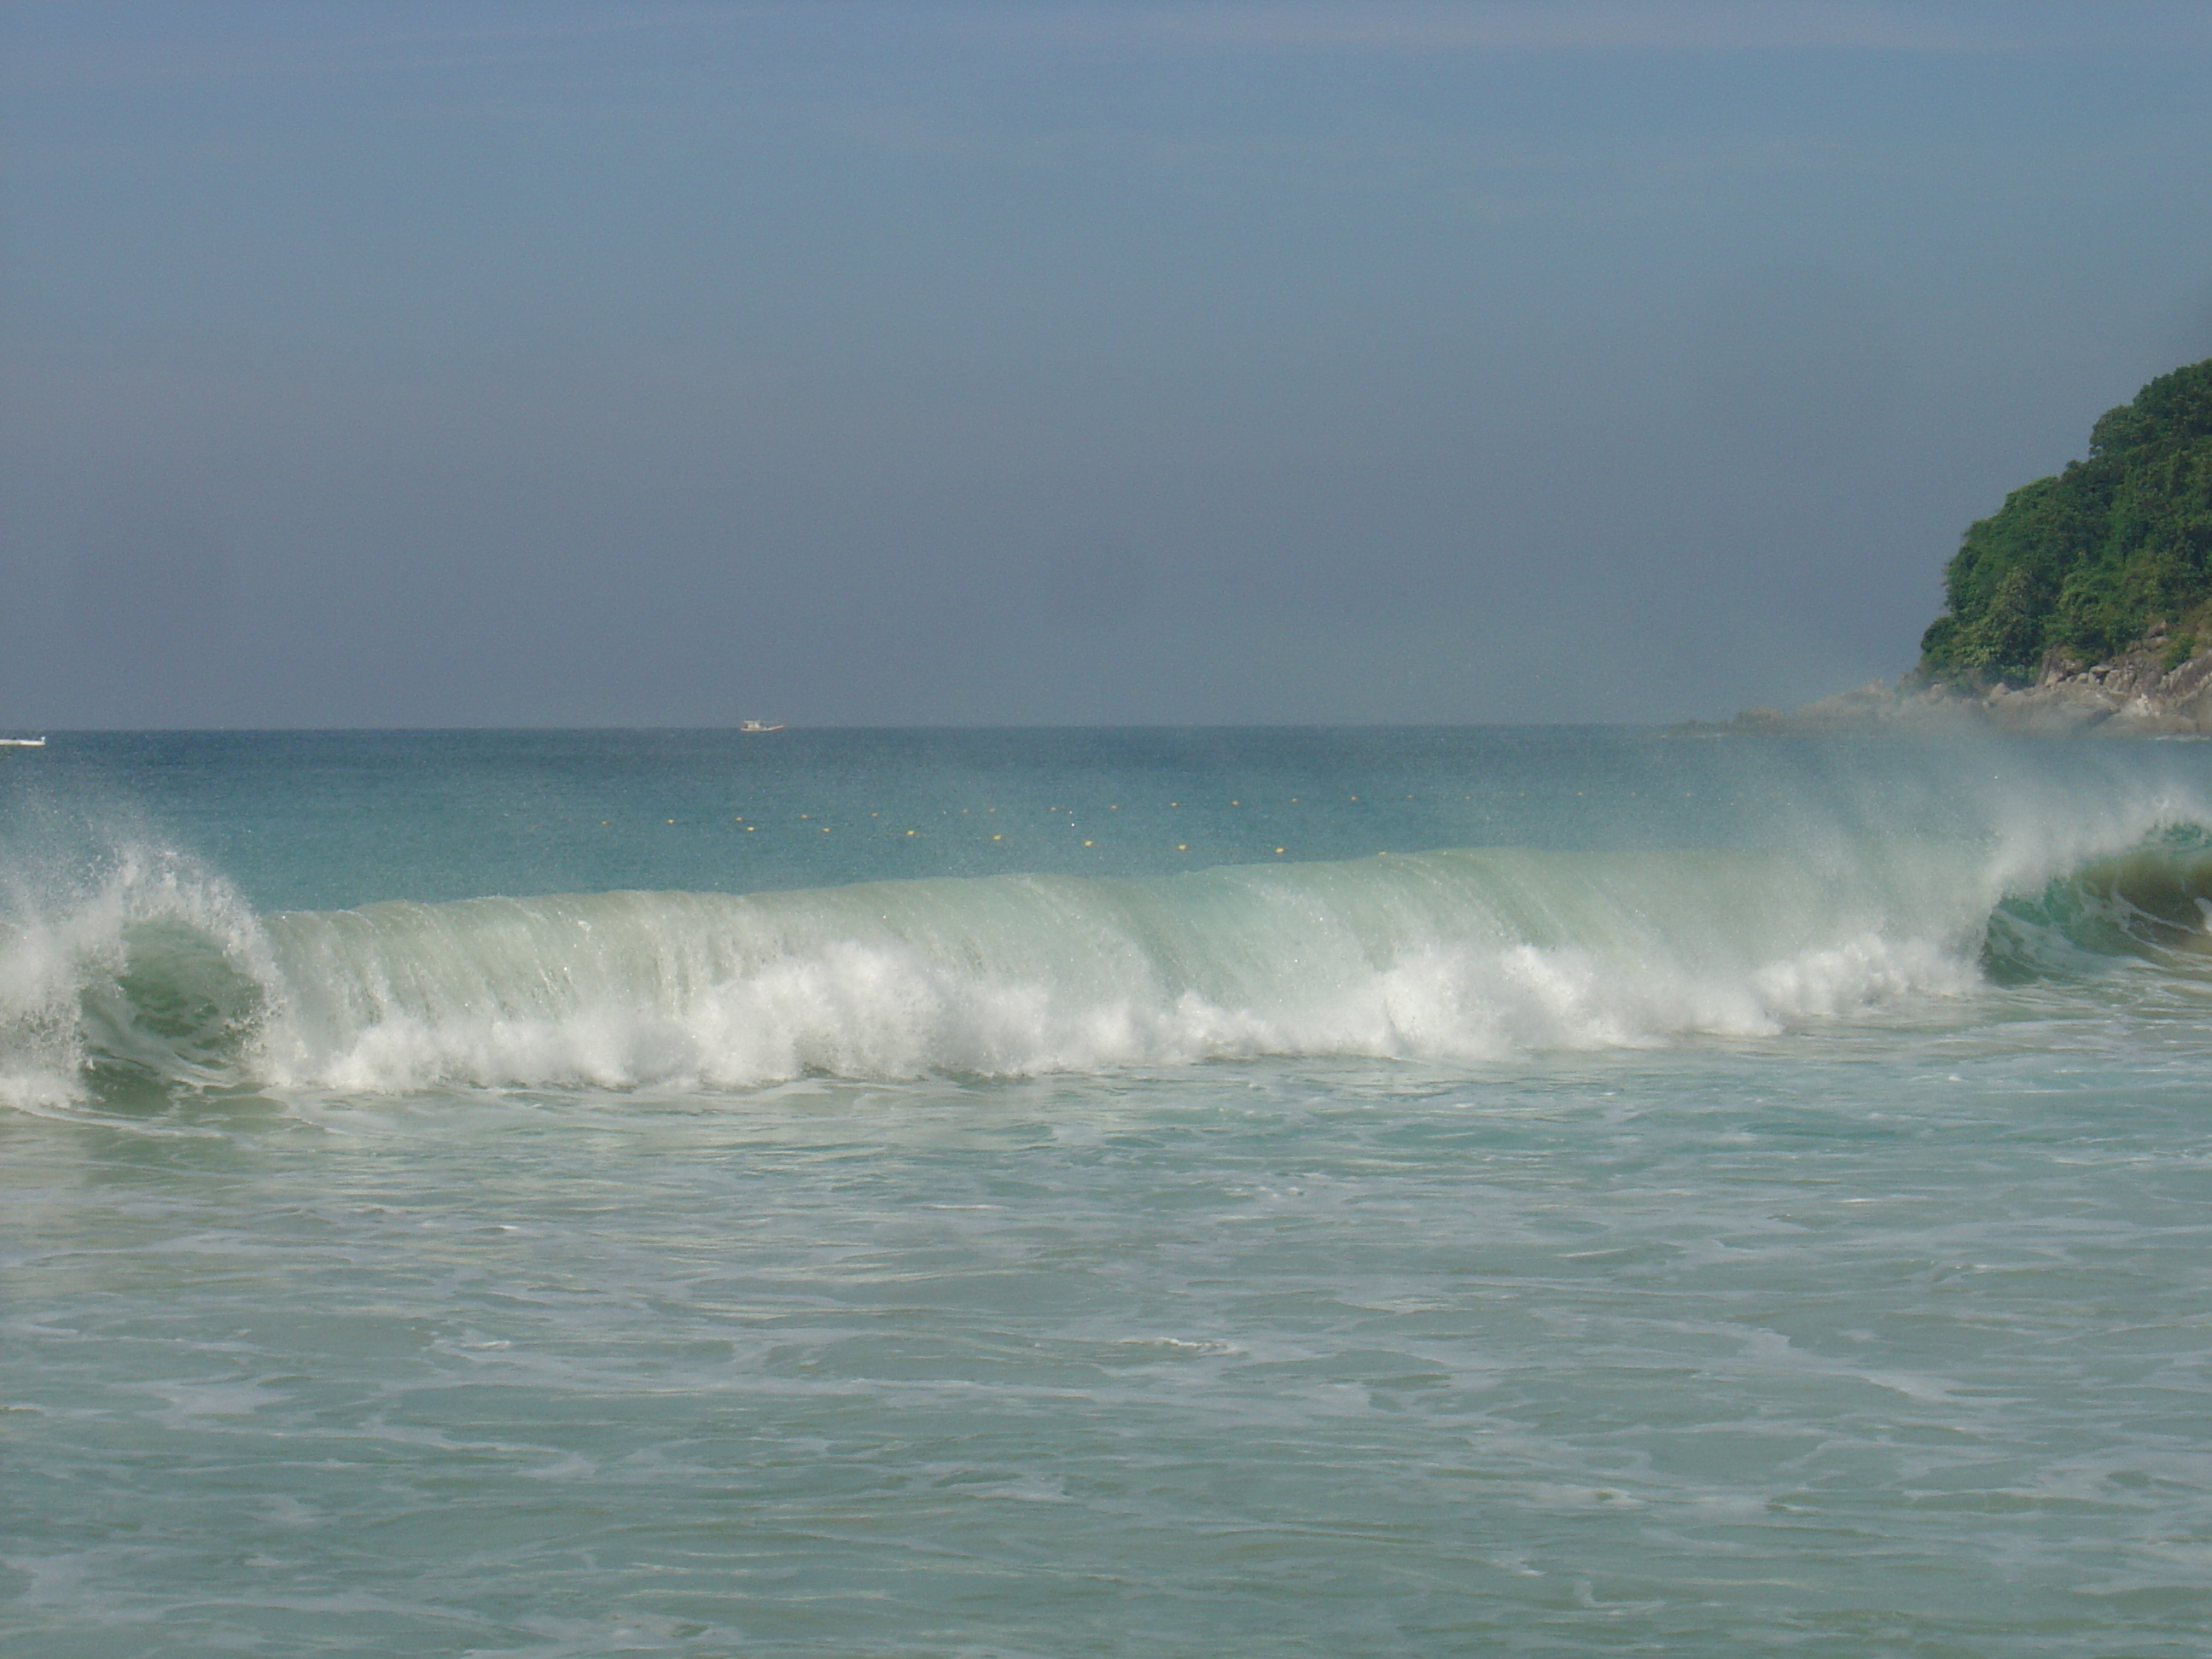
2132,694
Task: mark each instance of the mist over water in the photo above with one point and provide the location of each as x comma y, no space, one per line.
1383,1191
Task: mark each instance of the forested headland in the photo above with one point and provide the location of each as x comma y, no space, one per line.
2111,557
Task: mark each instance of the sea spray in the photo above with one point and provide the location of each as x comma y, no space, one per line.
1461,955
136,970
139,970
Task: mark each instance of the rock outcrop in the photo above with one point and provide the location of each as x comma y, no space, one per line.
2133,695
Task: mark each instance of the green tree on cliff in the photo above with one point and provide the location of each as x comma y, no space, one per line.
2084,565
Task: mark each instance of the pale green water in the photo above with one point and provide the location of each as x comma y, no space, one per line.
1700,1231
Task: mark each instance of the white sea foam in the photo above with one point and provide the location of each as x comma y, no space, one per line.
1447,955
156,975
1463,956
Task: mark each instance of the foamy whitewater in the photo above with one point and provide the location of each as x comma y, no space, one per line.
1539,1190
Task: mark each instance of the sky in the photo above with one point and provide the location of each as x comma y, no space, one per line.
674,362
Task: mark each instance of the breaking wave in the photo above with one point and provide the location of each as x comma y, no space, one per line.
154,977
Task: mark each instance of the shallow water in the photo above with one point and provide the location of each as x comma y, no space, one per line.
1694,1197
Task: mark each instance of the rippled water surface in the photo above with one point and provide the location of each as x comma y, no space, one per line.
1728,1198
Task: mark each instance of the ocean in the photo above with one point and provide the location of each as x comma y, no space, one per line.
1547,1191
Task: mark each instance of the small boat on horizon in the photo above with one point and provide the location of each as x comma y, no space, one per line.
22,743
748,725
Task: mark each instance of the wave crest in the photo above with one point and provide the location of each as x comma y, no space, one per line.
157,977
143,973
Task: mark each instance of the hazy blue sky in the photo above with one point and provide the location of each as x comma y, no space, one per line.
637,363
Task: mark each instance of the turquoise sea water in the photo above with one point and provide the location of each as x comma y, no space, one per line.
1402,1192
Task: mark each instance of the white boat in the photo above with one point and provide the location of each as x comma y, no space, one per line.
743,725
22,743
